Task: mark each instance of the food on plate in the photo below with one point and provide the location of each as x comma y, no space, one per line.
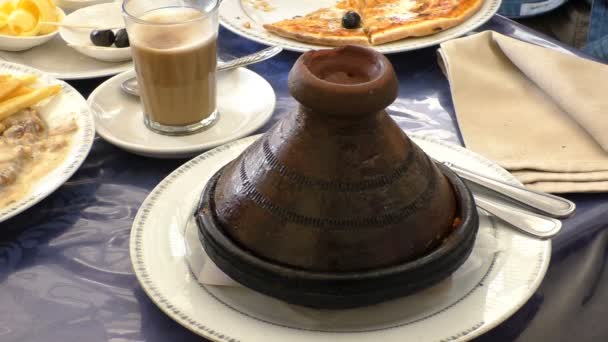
263,5
107,37
15,104
375,22
14,86
351,20
30,147
323,26
102,37
122,38
26,18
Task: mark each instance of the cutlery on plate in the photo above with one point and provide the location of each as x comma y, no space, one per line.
547,204
528,222
130,86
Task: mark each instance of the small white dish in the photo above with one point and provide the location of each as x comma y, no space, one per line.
166,254
14,43
246,102
106,15
72,5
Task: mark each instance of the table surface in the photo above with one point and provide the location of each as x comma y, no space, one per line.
65,272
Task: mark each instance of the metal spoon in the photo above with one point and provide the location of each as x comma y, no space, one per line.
518,217
130,86
528,222
547,204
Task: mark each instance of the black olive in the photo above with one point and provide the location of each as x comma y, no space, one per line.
351,20
102,37
122,39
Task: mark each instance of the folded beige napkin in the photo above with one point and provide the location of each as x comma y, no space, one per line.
540,113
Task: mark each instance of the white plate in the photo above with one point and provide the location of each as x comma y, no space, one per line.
458,309
246,102
60,107
72,5
234,14
106,15
61,61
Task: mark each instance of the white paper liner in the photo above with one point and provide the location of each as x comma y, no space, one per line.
408,308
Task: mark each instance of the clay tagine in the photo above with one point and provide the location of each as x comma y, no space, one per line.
335,207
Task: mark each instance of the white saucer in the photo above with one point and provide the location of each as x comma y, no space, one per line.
58,60
246,102
480,295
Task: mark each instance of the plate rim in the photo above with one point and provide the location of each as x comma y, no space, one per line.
91,74
194,326
6,57
142,149
75,76
80,154
472,23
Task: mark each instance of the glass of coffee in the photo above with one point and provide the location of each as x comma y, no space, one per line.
174,47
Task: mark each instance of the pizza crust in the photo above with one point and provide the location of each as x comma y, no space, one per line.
423,28
316,38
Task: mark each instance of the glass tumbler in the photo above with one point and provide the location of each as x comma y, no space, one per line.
174,48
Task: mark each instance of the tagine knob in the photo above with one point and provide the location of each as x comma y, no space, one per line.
348,81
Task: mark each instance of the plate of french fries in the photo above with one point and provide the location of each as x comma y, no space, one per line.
46,132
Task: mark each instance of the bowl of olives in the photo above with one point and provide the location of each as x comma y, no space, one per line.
98,31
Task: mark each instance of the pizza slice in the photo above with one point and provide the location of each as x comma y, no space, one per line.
325,26
390,20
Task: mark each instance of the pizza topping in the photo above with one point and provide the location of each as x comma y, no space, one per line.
263,5
351,20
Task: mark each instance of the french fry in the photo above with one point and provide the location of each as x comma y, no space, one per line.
27,79
8,86
21,89
15,104
18,92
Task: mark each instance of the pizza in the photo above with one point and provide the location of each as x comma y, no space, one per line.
323,26
374,22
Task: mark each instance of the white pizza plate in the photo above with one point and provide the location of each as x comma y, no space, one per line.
64,106
238,15
166,255
58,60
245,100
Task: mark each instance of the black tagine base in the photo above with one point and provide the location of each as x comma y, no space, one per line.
339,290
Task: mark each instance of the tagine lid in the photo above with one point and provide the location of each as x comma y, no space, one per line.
336,186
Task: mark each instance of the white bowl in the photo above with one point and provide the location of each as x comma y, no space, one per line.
72,5
15,43
101,16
